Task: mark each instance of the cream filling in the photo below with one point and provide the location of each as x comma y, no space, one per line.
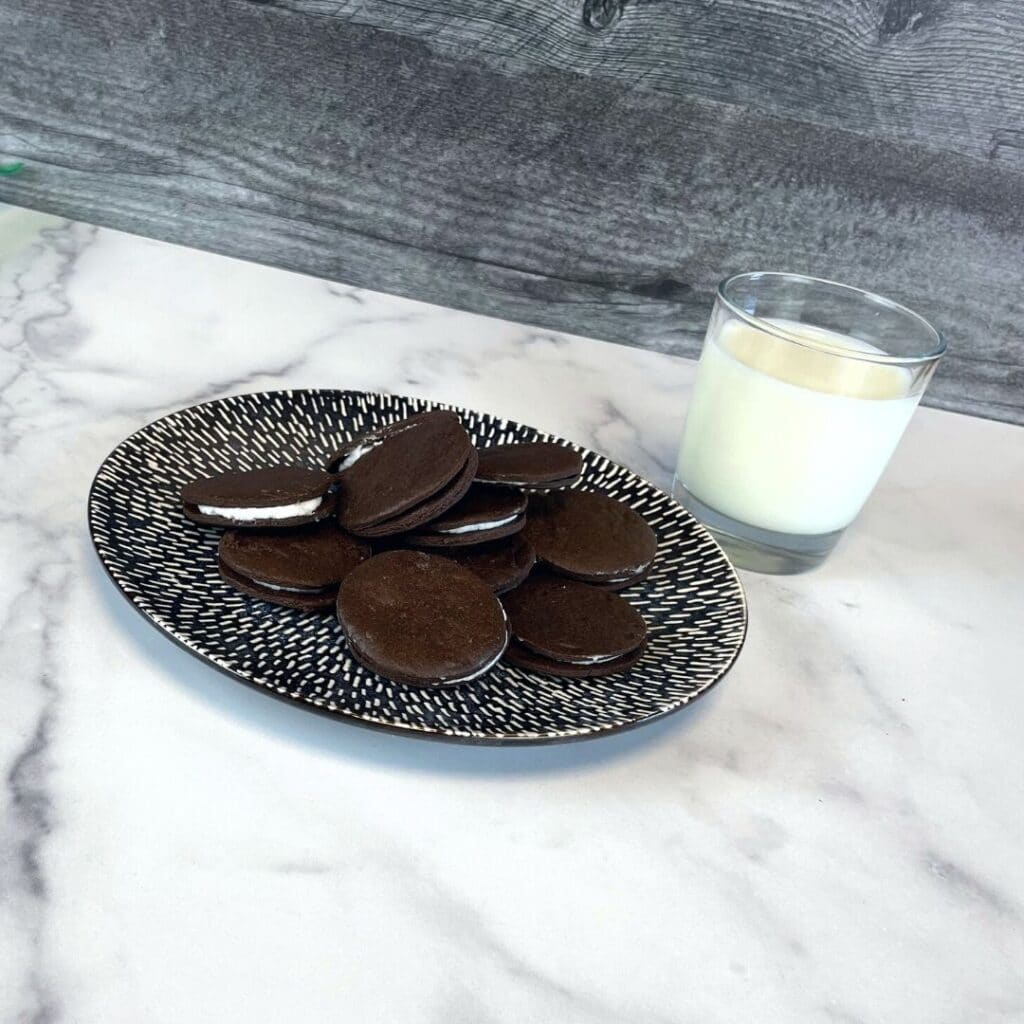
477,527
594,659
355,455
540,485
290,590
252,515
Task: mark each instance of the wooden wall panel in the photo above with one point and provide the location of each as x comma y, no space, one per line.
944,73
588,197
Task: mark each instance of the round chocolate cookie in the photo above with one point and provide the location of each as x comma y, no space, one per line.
538,464
487,512
276,496
421,619
408,464
573,623
501,564
299,568
590,537
427,510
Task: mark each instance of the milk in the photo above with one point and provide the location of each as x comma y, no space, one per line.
786,437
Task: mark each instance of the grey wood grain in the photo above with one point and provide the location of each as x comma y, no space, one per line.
946,73
568,201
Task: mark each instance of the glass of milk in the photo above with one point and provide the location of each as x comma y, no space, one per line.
803,391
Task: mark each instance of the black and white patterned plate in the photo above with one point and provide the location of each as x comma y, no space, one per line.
167,567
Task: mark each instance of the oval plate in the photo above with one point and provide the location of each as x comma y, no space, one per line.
166,566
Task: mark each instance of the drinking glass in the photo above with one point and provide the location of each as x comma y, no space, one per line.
803,390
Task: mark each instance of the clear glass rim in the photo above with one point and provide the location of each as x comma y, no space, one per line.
836,350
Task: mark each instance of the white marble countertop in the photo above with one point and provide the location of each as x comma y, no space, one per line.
836,834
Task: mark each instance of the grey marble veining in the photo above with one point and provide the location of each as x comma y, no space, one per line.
833,835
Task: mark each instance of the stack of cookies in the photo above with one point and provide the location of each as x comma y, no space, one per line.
411,533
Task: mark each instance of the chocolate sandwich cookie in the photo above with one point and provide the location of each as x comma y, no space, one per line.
487,512
533,465
276,496
299,568
421,619
410,473
427,510
566,628
501,564
590,537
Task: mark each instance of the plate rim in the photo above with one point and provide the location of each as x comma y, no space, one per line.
395,728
